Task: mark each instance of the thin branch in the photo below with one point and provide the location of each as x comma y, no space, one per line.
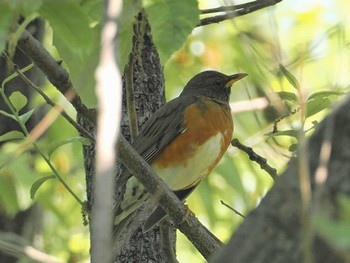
231,208
256,158
227,8
130,97
234,11
55,73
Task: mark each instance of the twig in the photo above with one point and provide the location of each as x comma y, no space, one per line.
227,8
275,123
130,96
256,158
231,208
238,10
59,108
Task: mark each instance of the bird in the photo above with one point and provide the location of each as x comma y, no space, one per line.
183,141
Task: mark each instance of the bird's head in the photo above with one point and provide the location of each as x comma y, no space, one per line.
212,84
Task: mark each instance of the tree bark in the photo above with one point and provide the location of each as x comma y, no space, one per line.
274,232
148,84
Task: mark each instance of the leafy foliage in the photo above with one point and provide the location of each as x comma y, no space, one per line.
171,23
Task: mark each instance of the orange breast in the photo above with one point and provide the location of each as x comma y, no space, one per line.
208,133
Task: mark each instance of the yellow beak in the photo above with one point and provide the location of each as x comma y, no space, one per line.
234,78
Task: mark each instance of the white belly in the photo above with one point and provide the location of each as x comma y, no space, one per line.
195,169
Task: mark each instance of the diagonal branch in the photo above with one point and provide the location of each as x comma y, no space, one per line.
234,11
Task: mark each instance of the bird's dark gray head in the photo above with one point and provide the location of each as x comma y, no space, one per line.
212,84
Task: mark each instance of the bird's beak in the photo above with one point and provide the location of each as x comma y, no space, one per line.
235,77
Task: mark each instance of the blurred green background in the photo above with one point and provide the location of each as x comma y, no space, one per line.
309,38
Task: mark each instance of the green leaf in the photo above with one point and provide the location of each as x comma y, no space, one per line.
290,96
91,6
11,135
77,42
290,133
58,144
324,94
171,23
70,24
8,115
25,117
290,77
18,100
316,105
24,7
38,183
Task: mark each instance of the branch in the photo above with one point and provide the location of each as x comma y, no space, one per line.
231,208
234,11
256,158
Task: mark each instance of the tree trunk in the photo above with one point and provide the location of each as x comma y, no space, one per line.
148,84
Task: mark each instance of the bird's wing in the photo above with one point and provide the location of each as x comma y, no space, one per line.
159,131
